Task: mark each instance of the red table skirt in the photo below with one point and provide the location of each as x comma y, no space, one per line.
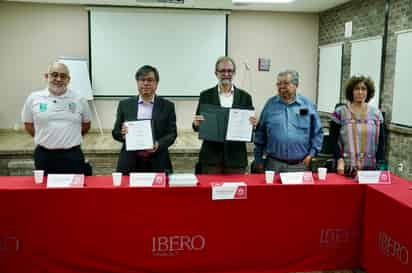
99,228
387,228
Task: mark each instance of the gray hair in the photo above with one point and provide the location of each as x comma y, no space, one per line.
294,75
58,63
223,59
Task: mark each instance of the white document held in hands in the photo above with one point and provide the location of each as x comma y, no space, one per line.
239,127
139,135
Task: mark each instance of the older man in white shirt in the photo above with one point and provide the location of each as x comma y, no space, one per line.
57,117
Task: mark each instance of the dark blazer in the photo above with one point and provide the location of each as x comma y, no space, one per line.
231,154
164,132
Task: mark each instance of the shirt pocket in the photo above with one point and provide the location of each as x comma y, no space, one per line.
301,124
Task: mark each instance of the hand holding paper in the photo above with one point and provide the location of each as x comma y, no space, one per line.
197,120
139,135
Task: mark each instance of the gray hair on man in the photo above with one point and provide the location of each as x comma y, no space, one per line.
223,59
58,63
294,75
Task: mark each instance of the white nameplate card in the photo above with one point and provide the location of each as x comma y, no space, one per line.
183,180
374,177
229,190
157,180
296,178
65,181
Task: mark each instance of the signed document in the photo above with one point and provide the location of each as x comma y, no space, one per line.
239,127
139,135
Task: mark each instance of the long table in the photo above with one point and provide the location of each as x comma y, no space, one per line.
101,228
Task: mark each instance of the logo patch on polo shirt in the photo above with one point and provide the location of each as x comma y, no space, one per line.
43,107
72,107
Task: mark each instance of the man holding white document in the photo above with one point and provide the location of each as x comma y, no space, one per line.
228,155
146,125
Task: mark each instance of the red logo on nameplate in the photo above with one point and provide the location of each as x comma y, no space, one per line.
385,177
78,181
159,180
241,192
307,178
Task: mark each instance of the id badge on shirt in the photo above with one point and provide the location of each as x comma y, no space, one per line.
65,107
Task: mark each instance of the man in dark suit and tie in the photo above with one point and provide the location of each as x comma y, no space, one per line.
162,114
227,157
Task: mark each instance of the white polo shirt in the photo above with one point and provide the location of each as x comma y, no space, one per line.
57,119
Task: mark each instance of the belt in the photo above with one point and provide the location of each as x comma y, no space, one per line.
289,162
59,150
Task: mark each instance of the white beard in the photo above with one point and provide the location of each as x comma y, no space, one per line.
225,82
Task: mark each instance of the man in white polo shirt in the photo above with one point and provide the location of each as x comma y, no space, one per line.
57,118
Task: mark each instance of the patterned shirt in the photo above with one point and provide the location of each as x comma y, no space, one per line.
359,135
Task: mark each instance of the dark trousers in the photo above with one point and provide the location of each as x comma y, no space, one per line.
59,160
220,169
130,161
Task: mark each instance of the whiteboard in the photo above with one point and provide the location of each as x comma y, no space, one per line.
330,77
401,107
182,44
366,59
79,76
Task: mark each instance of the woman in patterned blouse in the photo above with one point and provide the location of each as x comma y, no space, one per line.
357,129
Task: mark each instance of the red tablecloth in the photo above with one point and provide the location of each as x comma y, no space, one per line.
99,228
387,232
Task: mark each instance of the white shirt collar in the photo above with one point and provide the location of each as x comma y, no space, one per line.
140,100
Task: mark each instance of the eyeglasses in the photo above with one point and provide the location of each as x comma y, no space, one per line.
55,75
228,71
148,80
283,83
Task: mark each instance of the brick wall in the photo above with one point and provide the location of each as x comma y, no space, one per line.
368,20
